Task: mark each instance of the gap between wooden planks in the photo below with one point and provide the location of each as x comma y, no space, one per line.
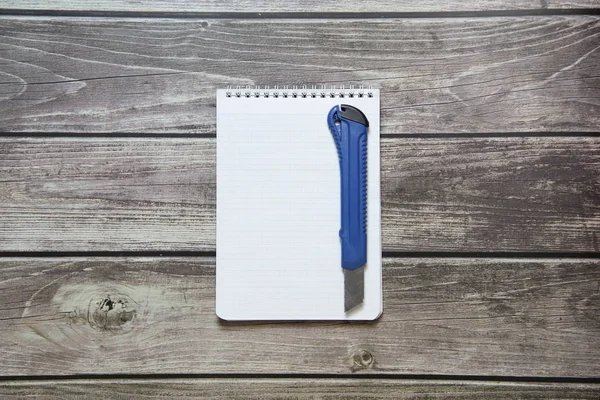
491,317
450,75
538,194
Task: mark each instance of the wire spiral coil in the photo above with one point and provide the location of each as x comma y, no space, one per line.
300,92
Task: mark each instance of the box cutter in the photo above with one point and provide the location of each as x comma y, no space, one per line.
349,128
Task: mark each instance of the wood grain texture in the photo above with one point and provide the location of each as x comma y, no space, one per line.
252,6
535,194
290,389
528,317
498,194
102,195
436,75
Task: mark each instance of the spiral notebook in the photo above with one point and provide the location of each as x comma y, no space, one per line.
278,206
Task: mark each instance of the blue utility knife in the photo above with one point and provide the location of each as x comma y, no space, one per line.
349,128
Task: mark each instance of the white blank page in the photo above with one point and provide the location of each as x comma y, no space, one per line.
278,210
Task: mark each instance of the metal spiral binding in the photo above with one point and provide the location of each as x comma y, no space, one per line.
294,92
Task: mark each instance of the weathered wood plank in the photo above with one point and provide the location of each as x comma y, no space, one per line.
250,6
436,75
290,389
78,194
536,194
498,194
441,316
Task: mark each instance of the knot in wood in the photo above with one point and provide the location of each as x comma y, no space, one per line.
110,314
363,359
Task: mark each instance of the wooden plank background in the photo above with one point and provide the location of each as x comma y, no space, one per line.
495,75
438,194
281,6
302,389
490,198
449,316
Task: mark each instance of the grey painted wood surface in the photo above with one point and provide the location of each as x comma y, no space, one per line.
521,317
307,6
452,75
438,194
535,317
290,389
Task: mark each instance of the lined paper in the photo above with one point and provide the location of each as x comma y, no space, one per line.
278,211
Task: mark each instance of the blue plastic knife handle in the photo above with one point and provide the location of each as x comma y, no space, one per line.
349,128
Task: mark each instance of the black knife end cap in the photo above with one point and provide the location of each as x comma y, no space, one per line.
353,114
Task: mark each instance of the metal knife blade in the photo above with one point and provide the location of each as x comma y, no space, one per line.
354,288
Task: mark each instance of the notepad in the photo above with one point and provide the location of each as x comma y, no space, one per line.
278,206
